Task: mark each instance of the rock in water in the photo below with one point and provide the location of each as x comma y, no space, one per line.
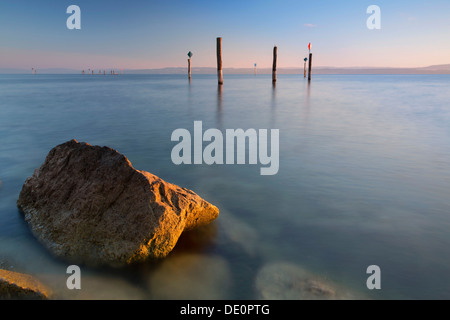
287,281
88,204
14,285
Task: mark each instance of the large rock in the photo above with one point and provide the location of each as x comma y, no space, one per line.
88,204
14,285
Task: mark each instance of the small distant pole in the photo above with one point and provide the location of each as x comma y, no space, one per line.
274,66
310,62
219,61
190,54
304,72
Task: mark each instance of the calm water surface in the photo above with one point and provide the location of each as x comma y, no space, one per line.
364,179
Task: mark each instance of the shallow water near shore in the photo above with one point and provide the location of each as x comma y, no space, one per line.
364,179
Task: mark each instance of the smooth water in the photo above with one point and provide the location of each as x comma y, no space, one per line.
364,179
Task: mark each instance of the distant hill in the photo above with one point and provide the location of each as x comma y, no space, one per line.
441,67
436,69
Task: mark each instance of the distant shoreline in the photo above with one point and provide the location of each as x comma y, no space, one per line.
439,69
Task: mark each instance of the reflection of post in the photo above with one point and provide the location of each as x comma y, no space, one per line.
310,65
274,66
307,102
219,105
273,105
219,60
308,94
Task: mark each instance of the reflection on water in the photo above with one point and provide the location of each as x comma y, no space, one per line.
219,105
307,103
363,180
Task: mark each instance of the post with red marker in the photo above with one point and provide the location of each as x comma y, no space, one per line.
310,62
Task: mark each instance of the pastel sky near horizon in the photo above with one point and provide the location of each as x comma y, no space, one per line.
155,34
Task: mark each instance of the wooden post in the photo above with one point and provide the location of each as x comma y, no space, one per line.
304,70
219,61
310,65
274,66
189,68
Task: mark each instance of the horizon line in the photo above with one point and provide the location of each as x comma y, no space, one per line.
213,67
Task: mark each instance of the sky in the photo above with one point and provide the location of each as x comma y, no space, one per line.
138,34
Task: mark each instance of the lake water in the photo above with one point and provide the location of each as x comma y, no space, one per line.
364,179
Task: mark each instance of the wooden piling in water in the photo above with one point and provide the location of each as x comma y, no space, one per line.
274,66
219,60
189,68
310,66
304,70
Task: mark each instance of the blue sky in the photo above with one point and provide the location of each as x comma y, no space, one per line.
153,34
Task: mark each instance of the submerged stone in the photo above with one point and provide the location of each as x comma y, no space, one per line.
287,281
190,276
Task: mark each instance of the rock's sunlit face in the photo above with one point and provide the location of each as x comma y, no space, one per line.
87,204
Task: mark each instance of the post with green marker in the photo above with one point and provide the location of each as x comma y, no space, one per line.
190,54
304,72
